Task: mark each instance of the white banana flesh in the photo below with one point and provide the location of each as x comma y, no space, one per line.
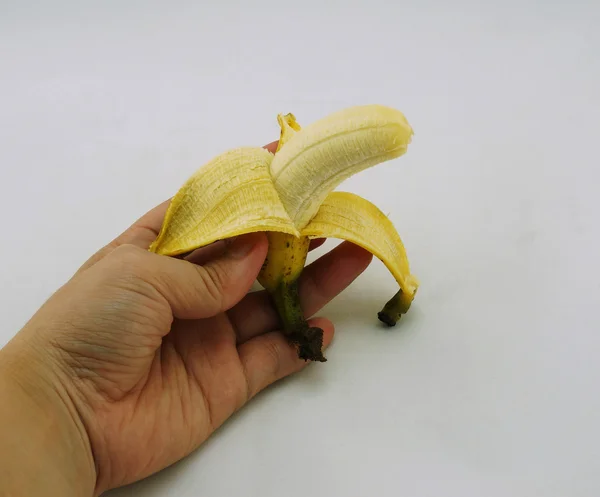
317,159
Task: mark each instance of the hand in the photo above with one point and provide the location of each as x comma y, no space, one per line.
140,357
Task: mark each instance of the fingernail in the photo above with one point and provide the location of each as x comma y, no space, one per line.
242,245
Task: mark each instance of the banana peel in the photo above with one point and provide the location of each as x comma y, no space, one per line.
289,195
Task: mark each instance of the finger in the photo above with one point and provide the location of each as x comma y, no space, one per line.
272,147
192,291
270,357
205,254
141,234
320,282
316,243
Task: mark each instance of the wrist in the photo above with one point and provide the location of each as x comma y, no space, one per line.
45,448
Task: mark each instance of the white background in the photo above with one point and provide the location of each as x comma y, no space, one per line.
490,386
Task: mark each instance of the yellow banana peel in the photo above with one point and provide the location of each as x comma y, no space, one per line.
289,195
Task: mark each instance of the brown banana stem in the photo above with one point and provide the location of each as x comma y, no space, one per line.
392,311
307,339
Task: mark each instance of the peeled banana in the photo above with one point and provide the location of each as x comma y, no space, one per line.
289,195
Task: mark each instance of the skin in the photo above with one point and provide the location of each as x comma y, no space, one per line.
139,358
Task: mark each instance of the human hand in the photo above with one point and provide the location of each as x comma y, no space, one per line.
141,357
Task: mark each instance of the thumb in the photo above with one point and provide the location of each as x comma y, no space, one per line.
200,291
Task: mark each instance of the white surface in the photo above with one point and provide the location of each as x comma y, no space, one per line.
490,385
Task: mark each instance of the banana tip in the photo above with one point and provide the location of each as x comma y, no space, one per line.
386,318
310,344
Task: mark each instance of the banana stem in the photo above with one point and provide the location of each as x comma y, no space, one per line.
395,307
308,339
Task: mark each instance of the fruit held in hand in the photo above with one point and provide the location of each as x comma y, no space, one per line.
289,195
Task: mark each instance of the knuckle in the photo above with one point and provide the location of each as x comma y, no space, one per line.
127,252
128,269
214,282
274,357
130,258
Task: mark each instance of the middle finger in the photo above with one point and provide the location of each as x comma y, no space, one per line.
319,283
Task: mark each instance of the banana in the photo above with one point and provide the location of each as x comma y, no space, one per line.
289,195
283,265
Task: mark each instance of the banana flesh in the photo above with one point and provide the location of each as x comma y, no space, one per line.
289,196
316,160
